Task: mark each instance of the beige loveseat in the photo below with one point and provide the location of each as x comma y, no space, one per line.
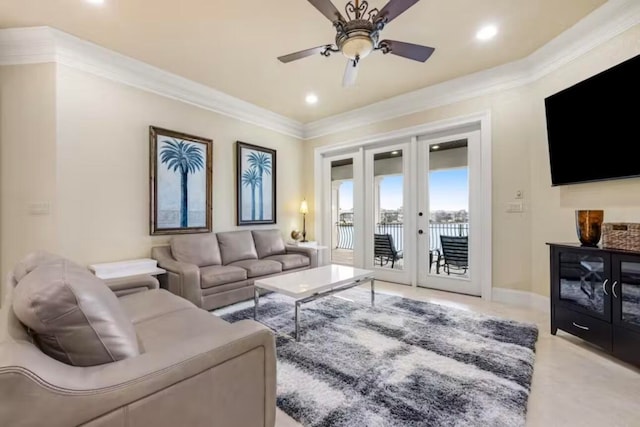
218,269
182,367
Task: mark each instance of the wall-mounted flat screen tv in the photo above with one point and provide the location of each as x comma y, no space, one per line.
593,127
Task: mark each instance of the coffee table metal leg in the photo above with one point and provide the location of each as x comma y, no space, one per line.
256,300
298,321
373,293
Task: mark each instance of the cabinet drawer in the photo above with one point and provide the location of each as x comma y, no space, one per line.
626,345
588,328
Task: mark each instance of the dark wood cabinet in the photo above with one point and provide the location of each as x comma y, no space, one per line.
595,295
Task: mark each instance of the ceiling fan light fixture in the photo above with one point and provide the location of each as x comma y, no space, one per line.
357,47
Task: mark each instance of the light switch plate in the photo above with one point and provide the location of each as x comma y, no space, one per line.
514,207
42,208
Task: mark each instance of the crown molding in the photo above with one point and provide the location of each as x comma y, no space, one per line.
44,44
603,24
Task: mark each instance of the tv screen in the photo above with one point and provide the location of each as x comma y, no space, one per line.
593,127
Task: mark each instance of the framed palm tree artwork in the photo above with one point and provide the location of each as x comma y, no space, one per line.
256,184
180,171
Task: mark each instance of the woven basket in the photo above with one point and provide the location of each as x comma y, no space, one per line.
622,235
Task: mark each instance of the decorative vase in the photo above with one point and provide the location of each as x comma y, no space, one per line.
589,226
296,235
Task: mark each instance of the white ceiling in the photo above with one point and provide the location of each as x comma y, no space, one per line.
233,46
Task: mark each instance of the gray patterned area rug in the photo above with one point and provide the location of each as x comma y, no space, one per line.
402,363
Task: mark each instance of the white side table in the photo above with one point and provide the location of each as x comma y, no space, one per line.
130,268
322,258
127,277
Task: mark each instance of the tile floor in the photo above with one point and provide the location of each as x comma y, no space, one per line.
574,383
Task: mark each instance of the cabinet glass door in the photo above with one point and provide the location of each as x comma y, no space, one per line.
626,293
583,278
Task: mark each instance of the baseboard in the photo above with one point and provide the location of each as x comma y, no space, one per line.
521,298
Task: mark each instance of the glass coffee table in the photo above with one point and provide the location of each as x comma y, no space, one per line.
309,285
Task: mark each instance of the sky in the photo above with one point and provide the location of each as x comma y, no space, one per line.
449,191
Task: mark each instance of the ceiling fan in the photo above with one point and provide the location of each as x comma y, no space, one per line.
358,36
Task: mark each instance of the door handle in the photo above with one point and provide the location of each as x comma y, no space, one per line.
604,286
613,288
420,231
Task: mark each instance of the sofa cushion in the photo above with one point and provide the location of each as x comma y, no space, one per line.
291,261
199,249
236,246
268,242
259,267
170,330
220,274
73,315
143,306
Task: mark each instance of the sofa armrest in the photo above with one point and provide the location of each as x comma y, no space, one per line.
312,253
129,285
183,279
97,390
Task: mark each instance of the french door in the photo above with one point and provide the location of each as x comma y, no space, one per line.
411,209
388,243
448,180
343,200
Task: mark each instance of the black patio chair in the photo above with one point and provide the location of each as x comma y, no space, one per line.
385,251
455,253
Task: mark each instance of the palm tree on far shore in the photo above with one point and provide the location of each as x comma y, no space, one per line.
185,158
262,163
250,178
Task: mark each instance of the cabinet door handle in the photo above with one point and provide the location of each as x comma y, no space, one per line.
613,288
580,326
604,286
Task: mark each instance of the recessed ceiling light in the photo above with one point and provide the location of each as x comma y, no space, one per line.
311,99
435,147
487,32
394,153
96,2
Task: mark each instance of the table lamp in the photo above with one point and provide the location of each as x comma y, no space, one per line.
304,210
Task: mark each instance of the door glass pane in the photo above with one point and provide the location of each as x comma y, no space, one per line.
388,191
630,292
581,278
342,211
449,209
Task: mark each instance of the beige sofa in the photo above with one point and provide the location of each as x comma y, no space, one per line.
217,269
189,368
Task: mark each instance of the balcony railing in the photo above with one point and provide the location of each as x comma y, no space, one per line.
345,233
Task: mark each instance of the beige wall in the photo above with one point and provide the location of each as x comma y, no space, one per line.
555,206
86,151
520,162
27,161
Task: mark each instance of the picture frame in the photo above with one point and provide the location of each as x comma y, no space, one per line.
180,172
255,184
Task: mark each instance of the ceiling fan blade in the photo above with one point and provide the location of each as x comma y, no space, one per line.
327,9
302,54
350,73
395,8
407,50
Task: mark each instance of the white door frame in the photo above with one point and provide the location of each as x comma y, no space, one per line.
467,285
472,121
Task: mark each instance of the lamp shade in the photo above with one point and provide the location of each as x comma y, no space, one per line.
304,208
